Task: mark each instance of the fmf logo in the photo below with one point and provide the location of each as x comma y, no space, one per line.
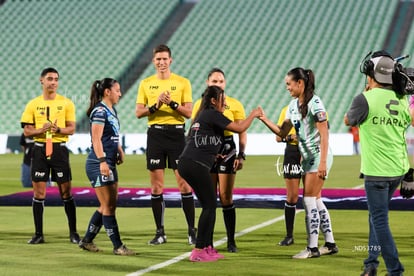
155,161
40,174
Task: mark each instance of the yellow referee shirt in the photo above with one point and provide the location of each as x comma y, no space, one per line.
180,91
234,111
61,110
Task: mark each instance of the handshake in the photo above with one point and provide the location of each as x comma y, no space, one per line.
407,185
258,112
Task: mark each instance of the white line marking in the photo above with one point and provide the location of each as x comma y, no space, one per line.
217,243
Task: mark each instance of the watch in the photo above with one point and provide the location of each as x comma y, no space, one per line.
173,105
241,155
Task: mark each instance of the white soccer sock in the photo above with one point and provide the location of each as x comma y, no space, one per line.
311,220
326,226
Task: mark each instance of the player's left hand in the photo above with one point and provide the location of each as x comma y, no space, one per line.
407,185
120,158
238,164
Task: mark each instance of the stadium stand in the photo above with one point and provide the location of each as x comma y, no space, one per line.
254,42
85,40
257,42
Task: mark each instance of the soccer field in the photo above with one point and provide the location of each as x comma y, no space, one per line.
259,230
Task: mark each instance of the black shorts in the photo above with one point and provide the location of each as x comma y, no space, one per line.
291,162
164,143
57,166
225,166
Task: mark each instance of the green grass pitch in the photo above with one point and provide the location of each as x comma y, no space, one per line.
259,253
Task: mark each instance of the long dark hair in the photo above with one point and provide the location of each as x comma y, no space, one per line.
97,92
211,92
308,78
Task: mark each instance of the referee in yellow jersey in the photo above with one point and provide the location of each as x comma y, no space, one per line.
166,99
50,117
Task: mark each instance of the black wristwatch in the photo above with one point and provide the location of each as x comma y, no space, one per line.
173,105
241,155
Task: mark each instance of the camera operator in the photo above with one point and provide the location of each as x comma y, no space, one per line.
383,117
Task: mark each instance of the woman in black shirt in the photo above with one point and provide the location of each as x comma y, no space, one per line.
203,143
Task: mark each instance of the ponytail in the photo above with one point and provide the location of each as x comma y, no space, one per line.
95,97
308,78
97,92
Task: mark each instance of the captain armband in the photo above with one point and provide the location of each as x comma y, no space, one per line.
320,117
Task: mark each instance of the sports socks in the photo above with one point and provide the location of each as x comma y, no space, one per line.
325,225
38,207
229,215
311,220
158,207
290,212
95,225
187,203
70,210
111,228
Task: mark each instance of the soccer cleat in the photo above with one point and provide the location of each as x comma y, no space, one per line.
201,255
369,270
192,236
124,251
286,241
328,249
36,239
231,247
213,252
159,238
89,246
307,253
74,238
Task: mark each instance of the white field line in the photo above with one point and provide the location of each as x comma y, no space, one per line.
217,243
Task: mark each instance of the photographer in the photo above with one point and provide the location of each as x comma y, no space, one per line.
383,117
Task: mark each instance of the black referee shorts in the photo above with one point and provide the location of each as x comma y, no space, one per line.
57,166
291,162
165,143
225,166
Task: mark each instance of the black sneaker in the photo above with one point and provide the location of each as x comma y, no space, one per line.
74,238
286,241
192,236
159,238
231,247
36,239
307,253
369,270
328,249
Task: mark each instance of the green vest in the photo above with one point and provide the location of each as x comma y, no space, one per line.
382,134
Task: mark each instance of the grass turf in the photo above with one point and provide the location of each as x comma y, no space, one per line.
259,253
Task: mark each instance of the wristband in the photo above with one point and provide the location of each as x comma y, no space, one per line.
289,138
173,105
241,155
153,108
102,159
